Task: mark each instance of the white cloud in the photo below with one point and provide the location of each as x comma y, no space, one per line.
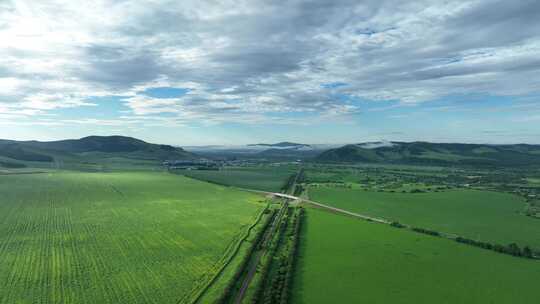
252,61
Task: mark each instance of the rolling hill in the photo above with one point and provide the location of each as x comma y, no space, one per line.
434,153
14,153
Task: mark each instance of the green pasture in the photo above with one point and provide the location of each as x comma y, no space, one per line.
481,215
347,260
265,178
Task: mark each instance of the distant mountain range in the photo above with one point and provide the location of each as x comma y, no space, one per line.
92,146
278,151
97,149
434,153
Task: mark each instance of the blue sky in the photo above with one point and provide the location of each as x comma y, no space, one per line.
235,72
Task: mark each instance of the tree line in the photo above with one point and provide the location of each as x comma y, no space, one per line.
511,249
280,285
230,289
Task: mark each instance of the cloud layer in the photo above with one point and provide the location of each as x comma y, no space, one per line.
260,61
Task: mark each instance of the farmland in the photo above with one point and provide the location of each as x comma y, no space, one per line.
155,237
483,215
346,260
114,237
259,178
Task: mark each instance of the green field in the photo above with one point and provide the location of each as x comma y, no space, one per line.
265,178
346,260
114,237
534,181
482,215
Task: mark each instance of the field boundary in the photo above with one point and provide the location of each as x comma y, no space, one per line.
508,250
252,267
229,258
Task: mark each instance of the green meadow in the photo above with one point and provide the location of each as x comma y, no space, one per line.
482,215
347,260
114,237
265,178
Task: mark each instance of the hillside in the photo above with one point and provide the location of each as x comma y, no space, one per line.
14,153
435,153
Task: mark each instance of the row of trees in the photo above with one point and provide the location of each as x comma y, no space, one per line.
512,249
290,186
265,270
279,289
230,289
397,225
426,231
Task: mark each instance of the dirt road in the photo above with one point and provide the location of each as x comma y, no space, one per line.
255,262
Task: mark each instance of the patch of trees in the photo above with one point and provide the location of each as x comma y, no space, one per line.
18,153
298,190
426,231
11,165
533,209
293,255
289,183
280,285
512,249
292,183
264,282
397,225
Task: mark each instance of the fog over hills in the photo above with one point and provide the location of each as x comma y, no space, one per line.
434,153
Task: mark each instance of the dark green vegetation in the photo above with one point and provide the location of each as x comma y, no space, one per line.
115,237
93,152
275,285
480,215
264,274
265,178
11,165
424,153
268,278
347,260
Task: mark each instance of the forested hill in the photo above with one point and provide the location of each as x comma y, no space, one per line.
435,153
106,146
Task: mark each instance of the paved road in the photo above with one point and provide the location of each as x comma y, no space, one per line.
296,198
358,215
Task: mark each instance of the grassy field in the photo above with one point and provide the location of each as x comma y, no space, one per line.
346,260
264,178
114,237
483,215
533,181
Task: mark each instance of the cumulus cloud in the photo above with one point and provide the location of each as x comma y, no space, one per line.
252,61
